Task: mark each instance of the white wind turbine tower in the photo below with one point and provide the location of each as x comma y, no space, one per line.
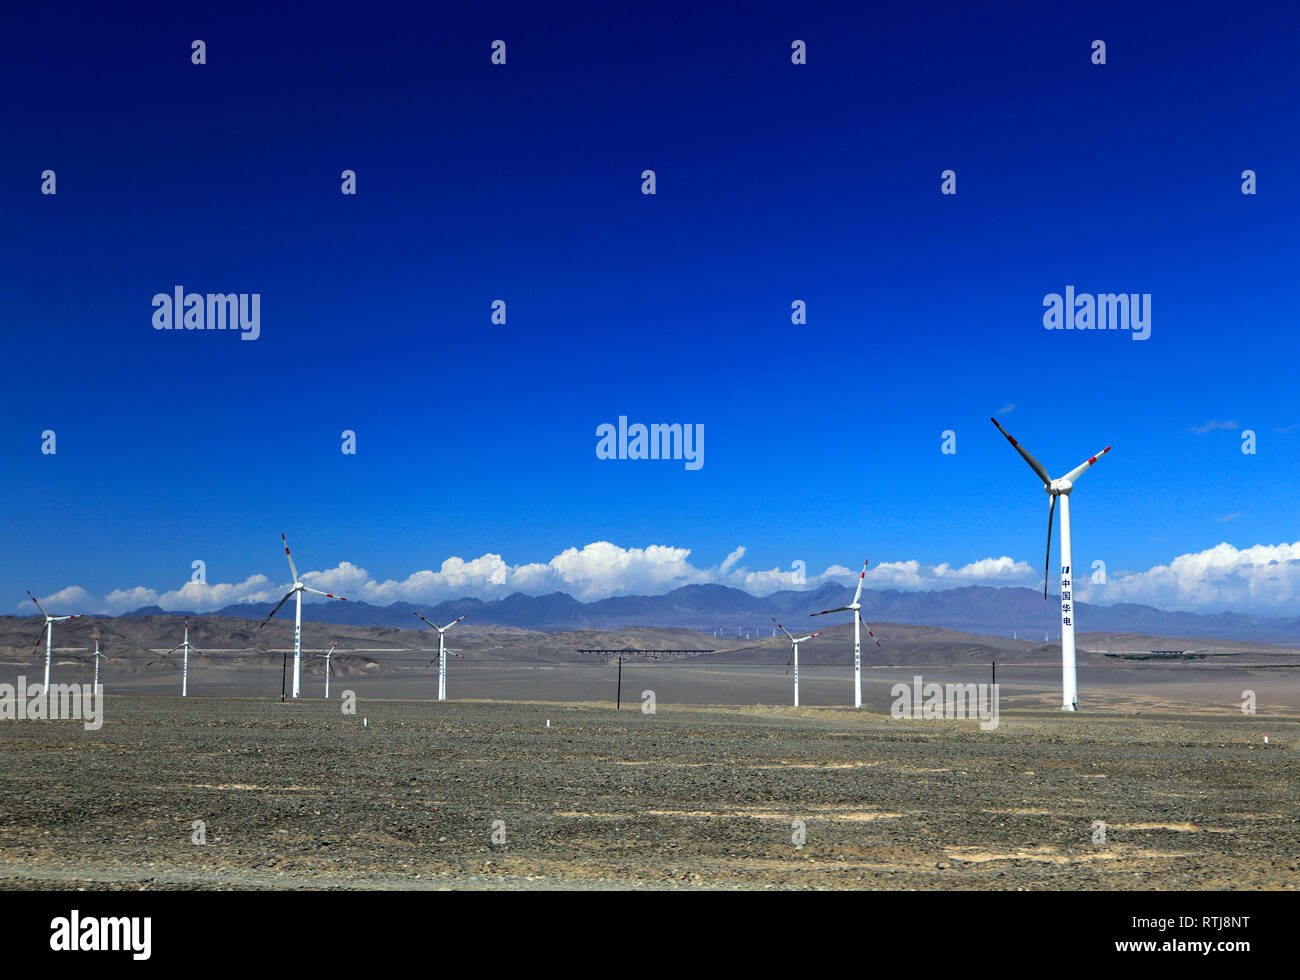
442,652
296,594
856,608
794,657
185,646
49,636
97,657
327,654
1060,488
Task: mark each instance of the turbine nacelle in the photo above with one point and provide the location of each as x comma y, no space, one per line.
1059,486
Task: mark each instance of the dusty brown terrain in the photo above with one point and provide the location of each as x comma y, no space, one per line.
304,796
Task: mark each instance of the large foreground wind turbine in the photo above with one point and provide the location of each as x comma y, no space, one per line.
1061,488
49,636
296,594
442,652
794,657
855,607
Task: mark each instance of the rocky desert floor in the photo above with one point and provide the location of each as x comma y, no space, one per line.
409,795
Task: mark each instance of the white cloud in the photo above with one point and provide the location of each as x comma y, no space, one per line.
201,597
1263,579
124,600
72,601
912,575
731,559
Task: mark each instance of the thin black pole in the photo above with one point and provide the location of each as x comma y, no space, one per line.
619,704
995,673
283,669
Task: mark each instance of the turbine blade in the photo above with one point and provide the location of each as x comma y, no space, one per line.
289,556
861,578
1047,564
1034,464
1077,472
864,626
327,595
423,620
38,605
275,610
39,639
780,627
838,609
451,624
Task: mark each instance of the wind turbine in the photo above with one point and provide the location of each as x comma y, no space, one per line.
794,657
186,646
296,594
442,651
327,654
855,607
49,636
96,657
1060,488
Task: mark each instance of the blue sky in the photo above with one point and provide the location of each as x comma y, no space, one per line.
522,182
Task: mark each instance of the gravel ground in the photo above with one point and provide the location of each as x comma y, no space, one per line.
404,794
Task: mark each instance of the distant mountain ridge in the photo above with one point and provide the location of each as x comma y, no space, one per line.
974,609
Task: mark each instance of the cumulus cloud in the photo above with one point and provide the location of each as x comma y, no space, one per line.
124,600
1262,578
200,596
72,601
917,577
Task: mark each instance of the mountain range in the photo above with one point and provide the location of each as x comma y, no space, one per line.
1003,611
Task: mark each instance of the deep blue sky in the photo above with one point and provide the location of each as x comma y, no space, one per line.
522,182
